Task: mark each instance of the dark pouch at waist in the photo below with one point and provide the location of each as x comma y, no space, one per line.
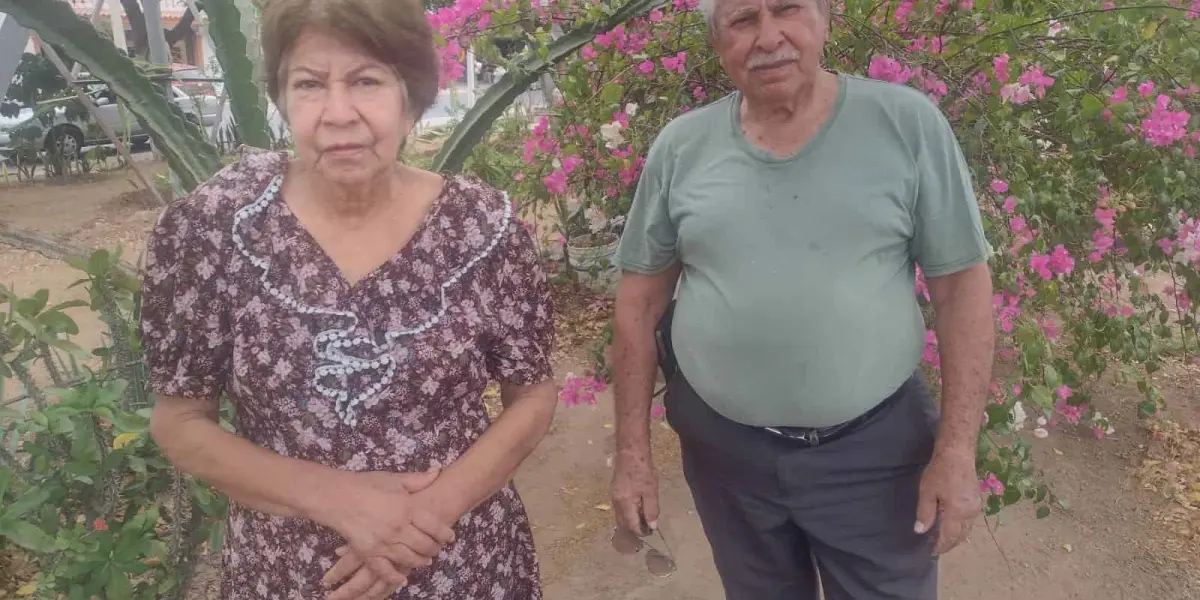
662,338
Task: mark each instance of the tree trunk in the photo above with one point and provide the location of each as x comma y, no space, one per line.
137,21
51,247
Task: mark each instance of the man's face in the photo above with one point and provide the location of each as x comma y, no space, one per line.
770,48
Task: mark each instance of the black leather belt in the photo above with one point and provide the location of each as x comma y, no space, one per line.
815,436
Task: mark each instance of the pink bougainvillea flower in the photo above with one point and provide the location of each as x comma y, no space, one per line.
1119,95
1070,412
1000,66
570,163
677,63
576,391
100,525
921,288
1016,93
999,186
1146,88
1040,263
930,355
1037,80
991,485
1165,126
889,69
1061,261
556,182
646,67
1010,204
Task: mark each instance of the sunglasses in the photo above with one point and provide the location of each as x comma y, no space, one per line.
658,563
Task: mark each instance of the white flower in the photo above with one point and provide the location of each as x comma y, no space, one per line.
631,109
573,205
1041,421
611,132
1019,416
1041,433
595,218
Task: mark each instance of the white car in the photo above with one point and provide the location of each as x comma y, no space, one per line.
65,125
6,124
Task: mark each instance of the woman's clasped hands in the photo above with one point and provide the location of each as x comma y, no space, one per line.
392,524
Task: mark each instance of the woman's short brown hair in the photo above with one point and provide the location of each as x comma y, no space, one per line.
394,32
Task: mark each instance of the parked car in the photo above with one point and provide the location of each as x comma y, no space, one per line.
64,124
6,125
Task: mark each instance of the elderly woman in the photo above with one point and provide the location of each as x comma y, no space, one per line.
353,309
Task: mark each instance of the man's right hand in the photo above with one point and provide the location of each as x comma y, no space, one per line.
635,492
372,512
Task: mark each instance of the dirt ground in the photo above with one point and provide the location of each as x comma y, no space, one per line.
1118,540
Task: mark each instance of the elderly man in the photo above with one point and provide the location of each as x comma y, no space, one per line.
796,210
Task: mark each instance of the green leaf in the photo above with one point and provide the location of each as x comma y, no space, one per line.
1012,495
1091,106
67,305
27,536
1051,376
118,585
29,501
612,93
187,151
1043,511
98,262
998,414
1147,408
992,506
475,124
245,98
34,304
58,322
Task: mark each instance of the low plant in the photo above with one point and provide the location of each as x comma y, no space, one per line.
84,492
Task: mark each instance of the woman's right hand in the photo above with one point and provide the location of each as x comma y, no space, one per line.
372,512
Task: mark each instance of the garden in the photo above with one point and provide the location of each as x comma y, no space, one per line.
1080,120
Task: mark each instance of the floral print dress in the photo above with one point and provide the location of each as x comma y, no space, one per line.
386,374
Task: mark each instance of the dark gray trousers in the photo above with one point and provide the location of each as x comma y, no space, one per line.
778,512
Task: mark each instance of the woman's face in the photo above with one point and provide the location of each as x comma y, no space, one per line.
345,109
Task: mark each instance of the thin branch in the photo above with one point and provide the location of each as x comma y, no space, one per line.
1082,13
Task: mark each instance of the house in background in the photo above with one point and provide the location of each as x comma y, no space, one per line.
189,49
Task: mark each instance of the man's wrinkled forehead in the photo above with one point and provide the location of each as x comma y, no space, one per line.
731,9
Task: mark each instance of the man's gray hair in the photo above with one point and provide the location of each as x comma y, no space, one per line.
709,8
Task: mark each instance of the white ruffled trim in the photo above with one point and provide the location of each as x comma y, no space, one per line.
328,343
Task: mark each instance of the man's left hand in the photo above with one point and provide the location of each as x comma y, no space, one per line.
949,497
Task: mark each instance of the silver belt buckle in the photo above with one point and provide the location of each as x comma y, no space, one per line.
809,437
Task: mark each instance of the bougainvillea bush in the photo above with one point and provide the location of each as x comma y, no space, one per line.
1077,119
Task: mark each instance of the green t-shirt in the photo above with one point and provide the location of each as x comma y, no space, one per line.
796,305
